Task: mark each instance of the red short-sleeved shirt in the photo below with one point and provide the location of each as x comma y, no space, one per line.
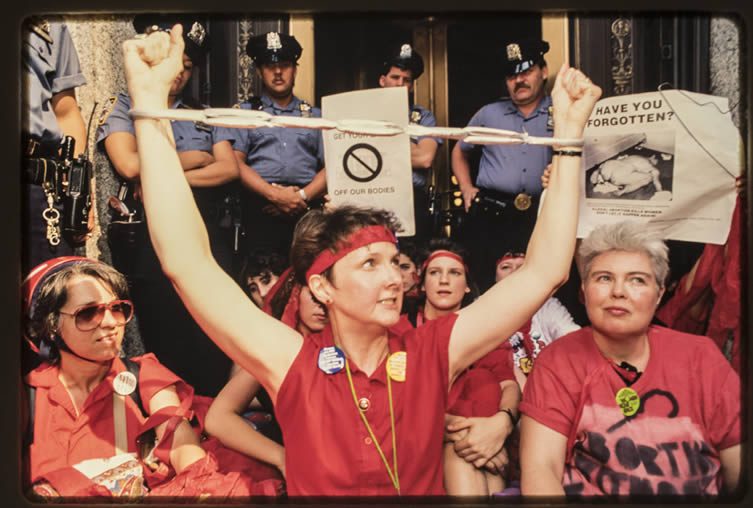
328,449
62,439
690,397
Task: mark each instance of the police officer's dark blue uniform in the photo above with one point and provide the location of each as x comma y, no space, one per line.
50,67
406,59
282,169
167,329
510,175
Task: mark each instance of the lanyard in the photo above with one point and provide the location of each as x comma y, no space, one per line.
392,472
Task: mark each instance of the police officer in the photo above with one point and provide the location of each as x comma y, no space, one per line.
281,168
402,67
51,75
166,327
503,200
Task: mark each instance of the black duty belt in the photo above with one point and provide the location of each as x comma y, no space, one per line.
491,199
38,171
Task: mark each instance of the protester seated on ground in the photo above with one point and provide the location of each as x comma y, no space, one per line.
259,273
356,397
625,408
482,407
625,174
227,420
549,323
90,410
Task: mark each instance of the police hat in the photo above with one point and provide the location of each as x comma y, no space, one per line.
194,31
273,47
522,55
406,58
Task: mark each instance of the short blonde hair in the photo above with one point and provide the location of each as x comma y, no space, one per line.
629,236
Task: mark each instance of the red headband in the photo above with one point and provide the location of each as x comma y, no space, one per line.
357,239
290,312
444,254
41,272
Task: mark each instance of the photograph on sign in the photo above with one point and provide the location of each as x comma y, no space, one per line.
667,158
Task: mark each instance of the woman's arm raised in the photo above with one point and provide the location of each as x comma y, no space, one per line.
516,298
257,342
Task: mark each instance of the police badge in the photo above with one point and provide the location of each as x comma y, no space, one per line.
415,116
273,41
513,52
406,51
305,109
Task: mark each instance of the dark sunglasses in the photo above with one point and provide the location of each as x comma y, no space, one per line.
89,317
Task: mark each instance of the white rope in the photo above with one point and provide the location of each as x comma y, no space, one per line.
251,119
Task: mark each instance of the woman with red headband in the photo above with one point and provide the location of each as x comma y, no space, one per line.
295,306
483,401
361,409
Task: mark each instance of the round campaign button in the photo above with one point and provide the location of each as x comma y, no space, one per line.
331,360
628,400
124,383
396,365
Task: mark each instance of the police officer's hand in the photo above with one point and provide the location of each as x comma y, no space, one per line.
151,65
287,200
573,99
195,159
545,175
469,194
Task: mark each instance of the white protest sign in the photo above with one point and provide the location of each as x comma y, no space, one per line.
370,170
668,159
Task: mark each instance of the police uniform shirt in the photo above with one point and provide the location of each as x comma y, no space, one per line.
512,168
279,154
49,68
422,116
187,135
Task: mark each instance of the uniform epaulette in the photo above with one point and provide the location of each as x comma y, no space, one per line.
107,108
41,27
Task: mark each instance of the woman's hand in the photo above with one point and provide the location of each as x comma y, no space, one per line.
573,99
485,438
151,65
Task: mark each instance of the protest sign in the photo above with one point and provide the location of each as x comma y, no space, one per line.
666,158
370,170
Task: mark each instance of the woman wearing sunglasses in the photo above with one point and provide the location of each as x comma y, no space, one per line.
361,407
623,407
91,410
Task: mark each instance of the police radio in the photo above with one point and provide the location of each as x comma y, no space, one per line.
76,191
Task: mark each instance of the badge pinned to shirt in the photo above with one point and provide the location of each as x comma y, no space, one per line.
628,400
550,118
124,383
305,109
331,360
415,116
397,365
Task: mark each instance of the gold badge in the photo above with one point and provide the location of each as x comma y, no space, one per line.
628,400
415,116
525,365
522,201
397,365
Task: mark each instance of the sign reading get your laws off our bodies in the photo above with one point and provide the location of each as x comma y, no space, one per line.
668,159
368,170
